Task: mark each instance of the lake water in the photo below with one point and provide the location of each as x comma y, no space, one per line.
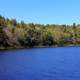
40,64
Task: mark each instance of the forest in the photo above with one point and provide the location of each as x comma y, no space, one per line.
14,34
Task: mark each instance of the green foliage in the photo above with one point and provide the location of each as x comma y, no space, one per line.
18,35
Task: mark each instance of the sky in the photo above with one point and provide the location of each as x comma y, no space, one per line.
42,11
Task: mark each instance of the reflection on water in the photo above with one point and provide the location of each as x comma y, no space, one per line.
40,64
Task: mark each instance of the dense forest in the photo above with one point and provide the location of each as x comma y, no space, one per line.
15,34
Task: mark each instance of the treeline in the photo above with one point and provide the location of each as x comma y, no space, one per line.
15,34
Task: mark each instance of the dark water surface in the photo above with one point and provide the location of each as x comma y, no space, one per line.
40,64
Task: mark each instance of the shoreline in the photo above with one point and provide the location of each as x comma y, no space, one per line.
11,48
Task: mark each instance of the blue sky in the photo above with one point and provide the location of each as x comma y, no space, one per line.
42,11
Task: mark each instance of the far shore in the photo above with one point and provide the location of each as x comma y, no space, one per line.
14,48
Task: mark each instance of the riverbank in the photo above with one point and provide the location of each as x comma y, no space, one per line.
56,46
14,35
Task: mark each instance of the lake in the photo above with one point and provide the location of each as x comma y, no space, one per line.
40,64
